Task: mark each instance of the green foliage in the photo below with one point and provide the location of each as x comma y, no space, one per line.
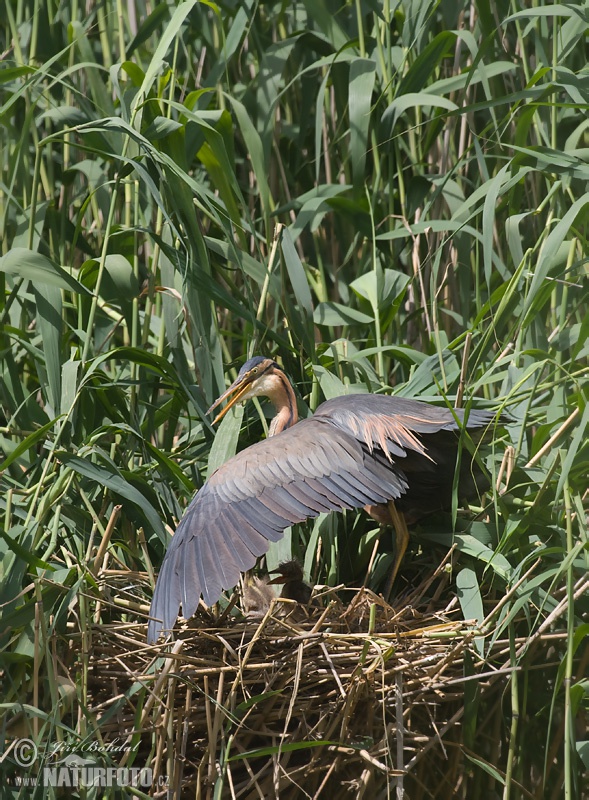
423,169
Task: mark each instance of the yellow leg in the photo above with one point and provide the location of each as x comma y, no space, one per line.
397,520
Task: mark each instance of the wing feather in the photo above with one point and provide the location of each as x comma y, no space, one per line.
210,571
172,598
322,487
255,542
192,578
306,494
242,554
354,491
259,514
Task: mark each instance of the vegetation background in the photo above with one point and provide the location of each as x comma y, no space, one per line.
422,170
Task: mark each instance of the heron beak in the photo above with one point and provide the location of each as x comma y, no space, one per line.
279,578
236,391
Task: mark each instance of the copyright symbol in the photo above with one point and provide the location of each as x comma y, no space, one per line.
25,752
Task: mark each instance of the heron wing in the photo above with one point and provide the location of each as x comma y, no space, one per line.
422,439
395,423
248,502
355,451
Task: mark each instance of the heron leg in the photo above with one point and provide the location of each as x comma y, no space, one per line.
397,520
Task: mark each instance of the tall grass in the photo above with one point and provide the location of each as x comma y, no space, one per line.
422,170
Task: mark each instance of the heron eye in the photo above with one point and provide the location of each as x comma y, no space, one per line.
255,370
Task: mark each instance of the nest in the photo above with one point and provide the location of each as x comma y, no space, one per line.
342,699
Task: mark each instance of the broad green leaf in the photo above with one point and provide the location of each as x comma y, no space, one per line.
582,746
280,551
470,78
336,314
313,211
160,128
255,151
381,294
66,116
69,384
491,199
226,438
471,602
49,319
171,30
299,283
118,279
148,26
362,78
322,15
19,539
429,374
488,768
427,61
9,74
473,547
551,246
101,99
28,265
551,10
469,595
272,68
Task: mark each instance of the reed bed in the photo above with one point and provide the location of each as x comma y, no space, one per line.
353,697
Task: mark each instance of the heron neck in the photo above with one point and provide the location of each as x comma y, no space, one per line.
284,401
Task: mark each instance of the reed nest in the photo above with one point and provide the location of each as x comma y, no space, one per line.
350,698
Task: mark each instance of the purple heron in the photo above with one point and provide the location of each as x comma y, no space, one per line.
395,457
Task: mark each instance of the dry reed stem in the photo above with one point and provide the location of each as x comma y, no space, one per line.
543,450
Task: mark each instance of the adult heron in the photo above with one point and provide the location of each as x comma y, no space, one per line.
395,457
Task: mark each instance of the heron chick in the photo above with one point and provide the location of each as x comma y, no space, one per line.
257,596
290,574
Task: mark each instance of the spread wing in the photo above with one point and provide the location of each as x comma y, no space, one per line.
343,457
310,468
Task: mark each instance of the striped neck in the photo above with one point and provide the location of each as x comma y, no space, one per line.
284,401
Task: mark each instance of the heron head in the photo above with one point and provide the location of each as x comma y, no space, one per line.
258,377
287,572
